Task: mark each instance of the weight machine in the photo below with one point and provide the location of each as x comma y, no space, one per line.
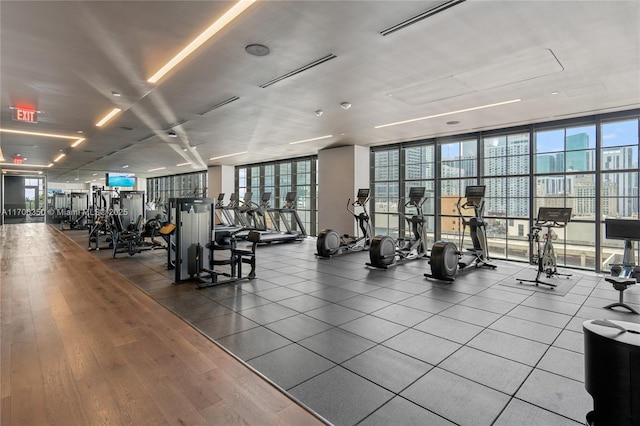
627,273
544,255
196,241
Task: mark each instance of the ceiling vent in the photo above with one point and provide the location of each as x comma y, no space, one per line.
146,137
434,10
176,124
218,105
329,57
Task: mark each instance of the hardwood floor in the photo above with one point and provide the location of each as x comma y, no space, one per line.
81,345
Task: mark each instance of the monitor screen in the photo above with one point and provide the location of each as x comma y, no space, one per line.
416,192
622,229
474,191
121,180
363,193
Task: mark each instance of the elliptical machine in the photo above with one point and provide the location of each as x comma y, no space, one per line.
385,251
445,257
331,243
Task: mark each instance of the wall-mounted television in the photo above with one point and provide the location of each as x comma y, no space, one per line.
121,180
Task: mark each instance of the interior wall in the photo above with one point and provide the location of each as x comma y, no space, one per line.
221,179
341,172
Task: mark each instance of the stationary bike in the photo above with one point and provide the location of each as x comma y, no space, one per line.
385,251
545,257
627,273
445,258
331,243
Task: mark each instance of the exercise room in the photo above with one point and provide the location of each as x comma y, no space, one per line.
309,212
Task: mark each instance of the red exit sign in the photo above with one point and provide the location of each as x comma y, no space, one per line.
25,115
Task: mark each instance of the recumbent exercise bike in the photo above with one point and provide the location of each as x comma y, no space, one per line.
331,243
446,259
386,251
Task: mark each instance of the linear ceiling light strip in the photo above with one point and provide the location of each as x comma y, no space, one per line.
299,70
108,117
228,155
448,113
218,25
218,105
434,10
311,140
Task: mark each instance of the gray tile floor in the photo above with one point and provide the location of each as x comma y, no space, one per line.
380,347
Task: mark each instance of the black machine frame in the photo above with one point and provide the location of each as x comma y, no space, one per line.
545,258
385,251
627,273
330,242
446,260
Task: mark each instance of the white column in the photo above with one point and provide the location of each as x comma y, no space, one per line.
341,172
220,179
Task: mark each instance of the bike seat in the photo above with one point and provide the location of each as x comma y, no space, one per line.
621,283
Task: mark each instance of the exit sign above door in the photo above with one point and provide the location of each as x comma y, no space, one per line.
25,115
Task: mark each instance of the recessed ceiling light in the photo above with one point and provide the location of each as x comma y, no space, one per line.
319,112
114,93
257,50
95,174
554,93
345,105
172,135
126,128
126,166
185,149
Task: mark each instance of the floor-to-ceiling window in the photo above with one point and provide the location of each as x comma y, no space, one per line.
618,182
588,164
419,171
385,195
565,176
458,169
505,172
296,176
161,189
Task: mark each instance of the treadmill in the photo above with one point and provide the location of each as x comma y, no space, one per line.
266,215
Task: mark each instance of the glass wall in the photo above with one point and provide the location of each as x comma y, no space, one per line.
386,191
280,178
618,155
505,173
589,165
160,189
